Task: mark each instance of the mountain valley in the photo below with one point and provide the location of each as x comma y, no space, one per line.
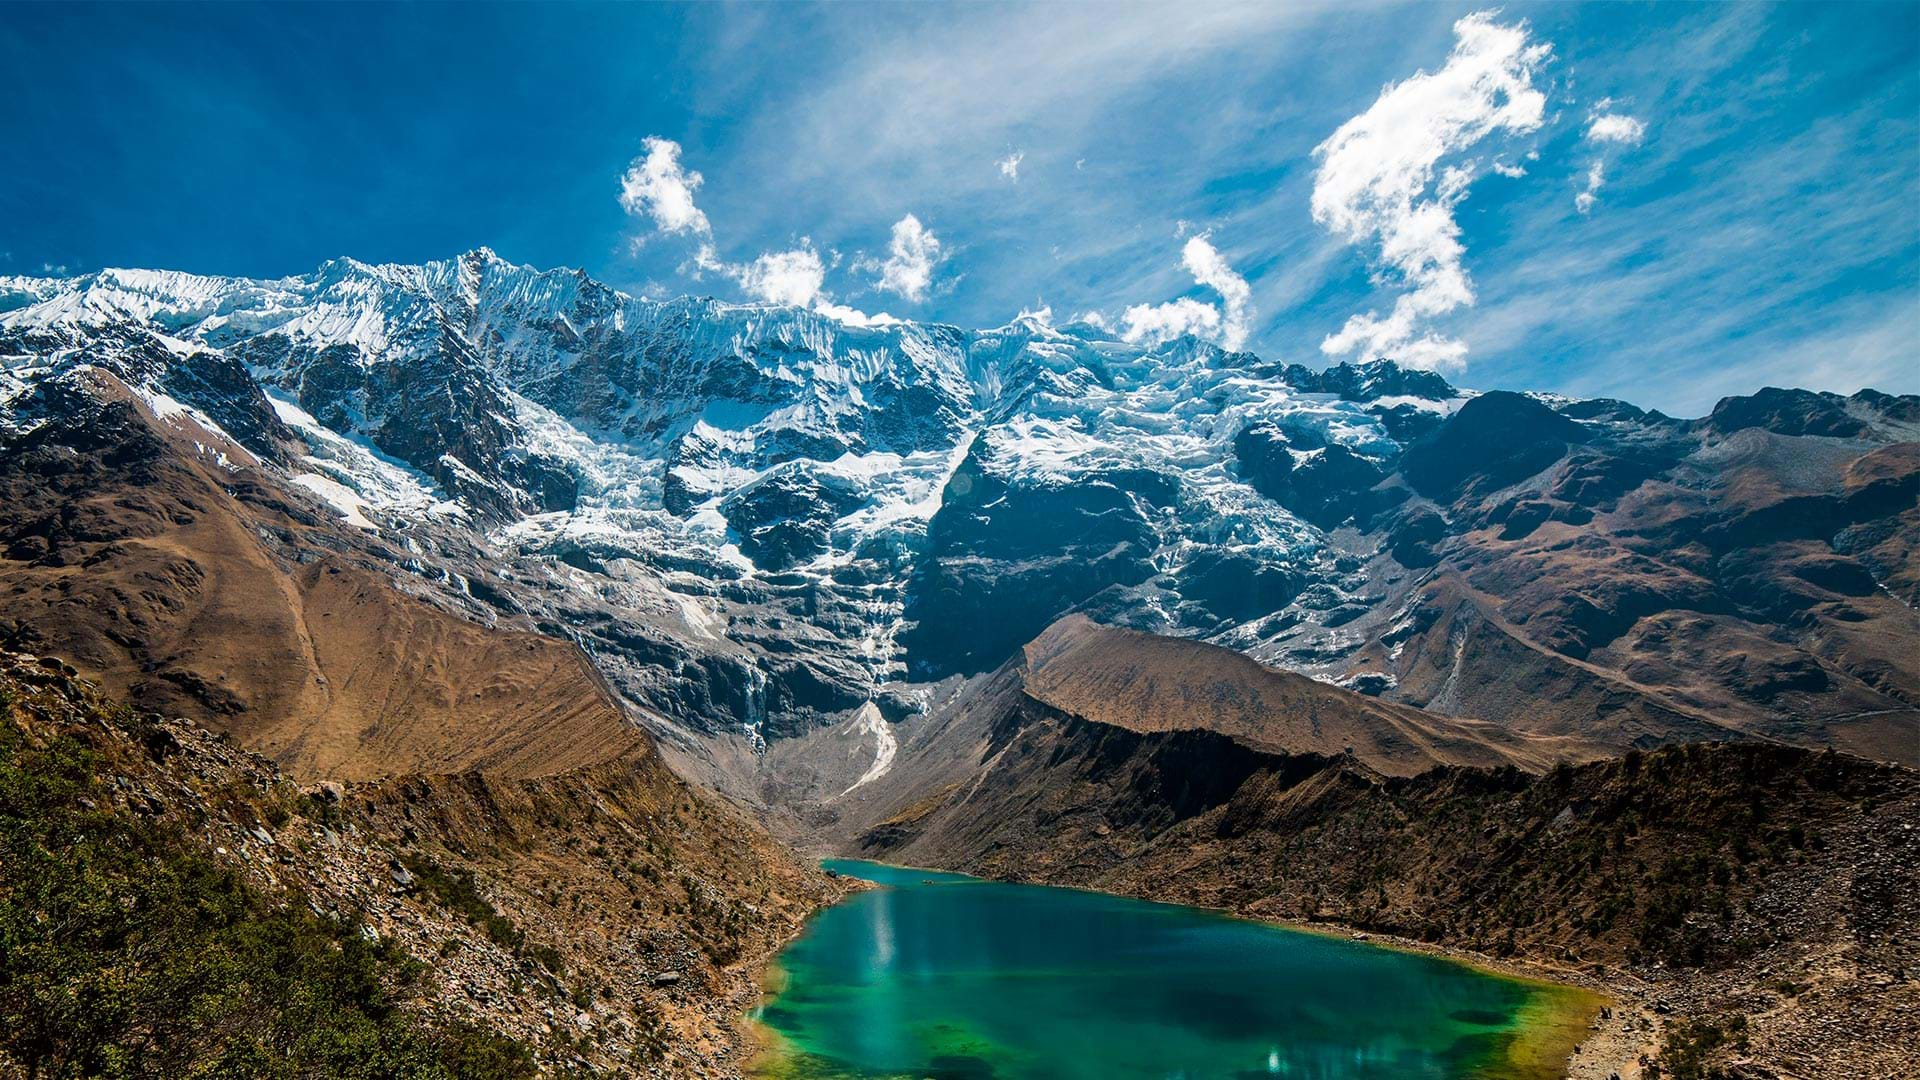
593,612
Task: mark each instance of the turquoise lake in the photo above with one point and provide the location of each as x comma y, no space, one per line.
941,975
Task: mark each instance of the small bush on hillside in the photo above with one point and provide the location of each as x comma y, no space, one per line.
460,891
1689,1047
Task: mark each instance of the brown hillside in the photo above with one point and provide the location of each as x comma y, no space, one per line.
1759,585
202,591
1148,683
608,919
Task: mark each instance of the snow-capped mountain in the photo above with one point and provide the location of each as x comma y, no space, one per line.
756,516
734,450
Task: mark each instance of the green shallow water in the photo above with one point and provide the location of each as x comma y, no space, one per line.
941,975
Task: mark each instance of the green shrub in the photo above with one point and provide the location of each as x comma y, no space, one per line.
1689,1047
459,890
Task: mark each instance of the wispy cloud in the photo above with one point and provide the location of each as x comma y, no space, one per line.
1381,183
1688,300
902,105
1010,165
1609,132
1227,323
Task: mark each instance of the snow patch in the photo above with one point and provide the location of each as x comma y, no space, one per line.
340,496
885,746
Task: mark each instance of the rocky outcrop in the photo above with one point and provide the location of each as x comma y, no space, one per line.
1004,557
1369,381
1787,412
787,518
1495,440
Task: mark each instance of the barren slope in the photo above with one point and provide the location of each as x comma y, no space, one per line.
1149,683
193,588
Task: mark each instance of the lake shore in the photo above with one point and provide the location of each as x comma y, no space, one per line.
756,980
1589,1024
1616,1029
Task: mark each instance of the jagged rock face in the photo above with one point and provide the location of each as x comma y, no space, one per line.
1326,484
1501,439
1787,412
756,517
786,518
1004,557
1368,382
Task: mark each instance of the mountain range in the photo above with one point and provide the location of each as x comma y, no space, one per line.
756,519
490,544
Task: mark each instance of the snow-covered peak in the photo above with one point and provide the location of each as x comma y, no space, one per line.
532,324
718,461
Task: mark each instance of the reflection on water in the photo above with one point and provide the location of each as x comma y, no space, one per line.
938,975
881,947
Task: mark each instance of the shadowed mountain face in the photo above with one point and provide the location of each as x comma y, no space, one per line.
756,520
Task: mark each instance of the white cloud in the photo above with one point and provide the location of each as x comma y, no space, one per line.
1508,169
852,316
1596,177
657,185
796,277
1155,323
1616,128
911,257
783,277
1228,324
1210,268
1010,165
1376,182
1608,131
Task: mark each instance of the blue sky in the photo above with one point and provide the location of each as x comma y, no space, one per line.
1758,219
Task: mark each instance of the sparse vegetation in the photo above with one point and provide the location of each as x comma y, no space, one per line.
127,949
459,890
1689,1049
